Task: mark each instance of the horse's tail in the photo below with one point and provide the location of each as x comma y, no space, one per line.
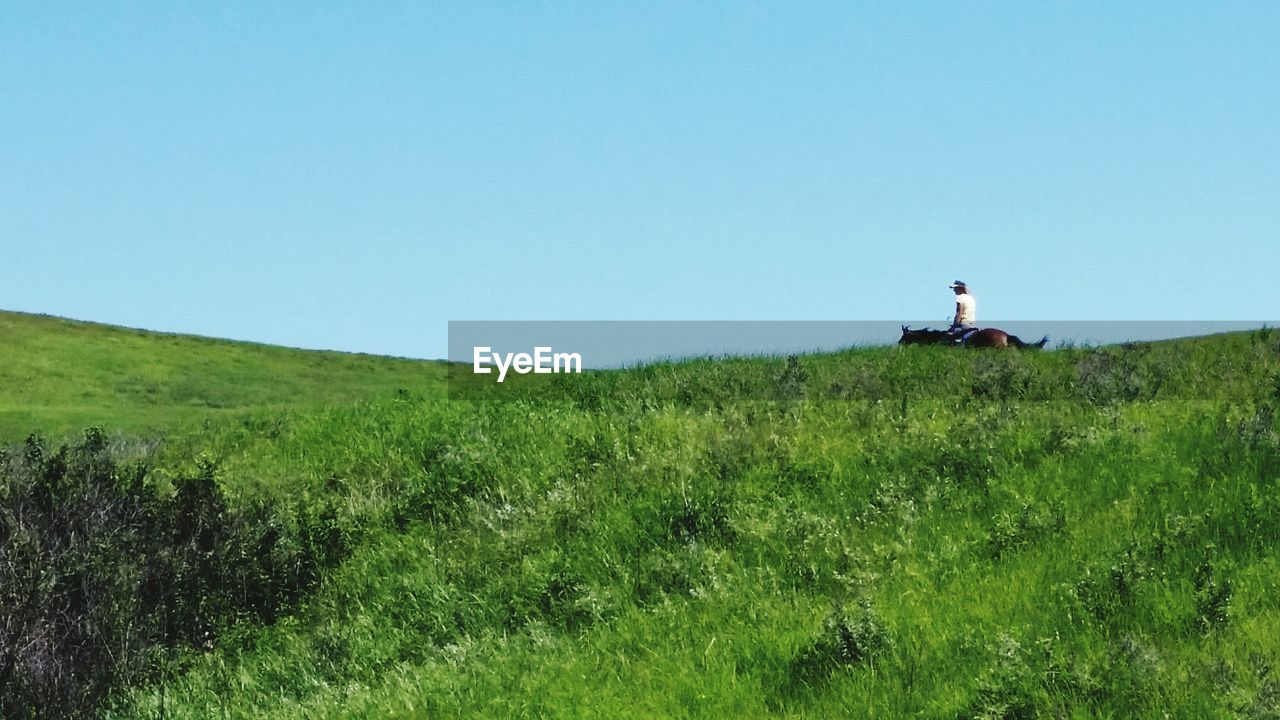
1018,343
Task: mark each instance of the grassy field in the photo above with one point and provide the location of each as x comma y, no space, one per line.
60,376
880,533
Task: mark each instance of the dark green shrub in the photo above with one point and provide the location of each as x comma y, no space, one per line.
1107,592
98,572
1108,376
791,382
548,589
455,471
847,638
1012,531
1213,596
1002,376
1009,687
663,572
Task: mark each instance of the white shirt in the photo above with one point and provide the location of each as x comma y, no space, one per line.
968,308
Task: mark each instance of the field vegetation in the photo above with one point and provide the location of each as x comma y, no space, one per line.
60,376
881,532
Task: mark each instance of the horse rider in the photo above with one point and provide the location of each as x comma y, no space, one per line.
966,312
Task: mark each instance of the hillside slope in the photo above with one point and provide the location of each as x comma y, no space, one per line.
59,376
881,533
877,533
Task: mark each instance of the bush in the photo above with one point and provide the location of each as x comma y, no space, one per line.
1011,532
1009,687
845,640
99,573
1213,596
791,383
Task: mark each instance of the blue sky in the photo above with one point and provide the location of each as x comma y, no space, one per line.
354,176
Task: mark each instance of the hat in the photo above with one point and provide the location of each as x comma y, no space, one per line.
956,284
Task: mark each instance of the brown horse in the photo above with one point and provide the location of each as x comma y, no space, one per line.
984,338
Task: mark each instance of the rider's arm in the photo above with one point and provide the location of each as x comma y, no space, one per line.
956,320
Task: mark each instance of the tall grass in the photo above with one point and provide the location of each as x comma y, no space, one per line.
876,533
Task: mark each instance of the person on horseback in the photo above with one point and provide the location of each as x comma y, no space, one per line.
966,312
964,331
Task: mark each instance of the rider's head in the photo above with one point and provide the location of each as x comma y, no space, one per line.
959,287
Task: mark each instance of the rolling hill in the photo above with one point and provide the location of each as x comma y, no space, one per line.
879,532
59,376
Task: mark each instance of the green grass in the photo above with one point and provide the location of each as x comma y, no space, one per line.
59,376
878,533
683,562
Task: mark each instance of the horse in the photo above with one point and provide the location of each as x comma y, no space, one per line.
984,338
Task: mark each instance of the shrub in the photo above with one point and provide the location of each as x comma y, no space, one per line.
845,640
1002,376
1107,592
1008,688
1107,376
1011,532
1213,596
791,383
99,573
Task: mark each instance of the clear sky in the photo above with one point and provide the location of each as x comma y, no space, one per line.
353,176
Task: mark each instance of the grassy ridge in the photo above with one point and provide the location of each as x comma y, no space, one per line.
877,533
59,376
